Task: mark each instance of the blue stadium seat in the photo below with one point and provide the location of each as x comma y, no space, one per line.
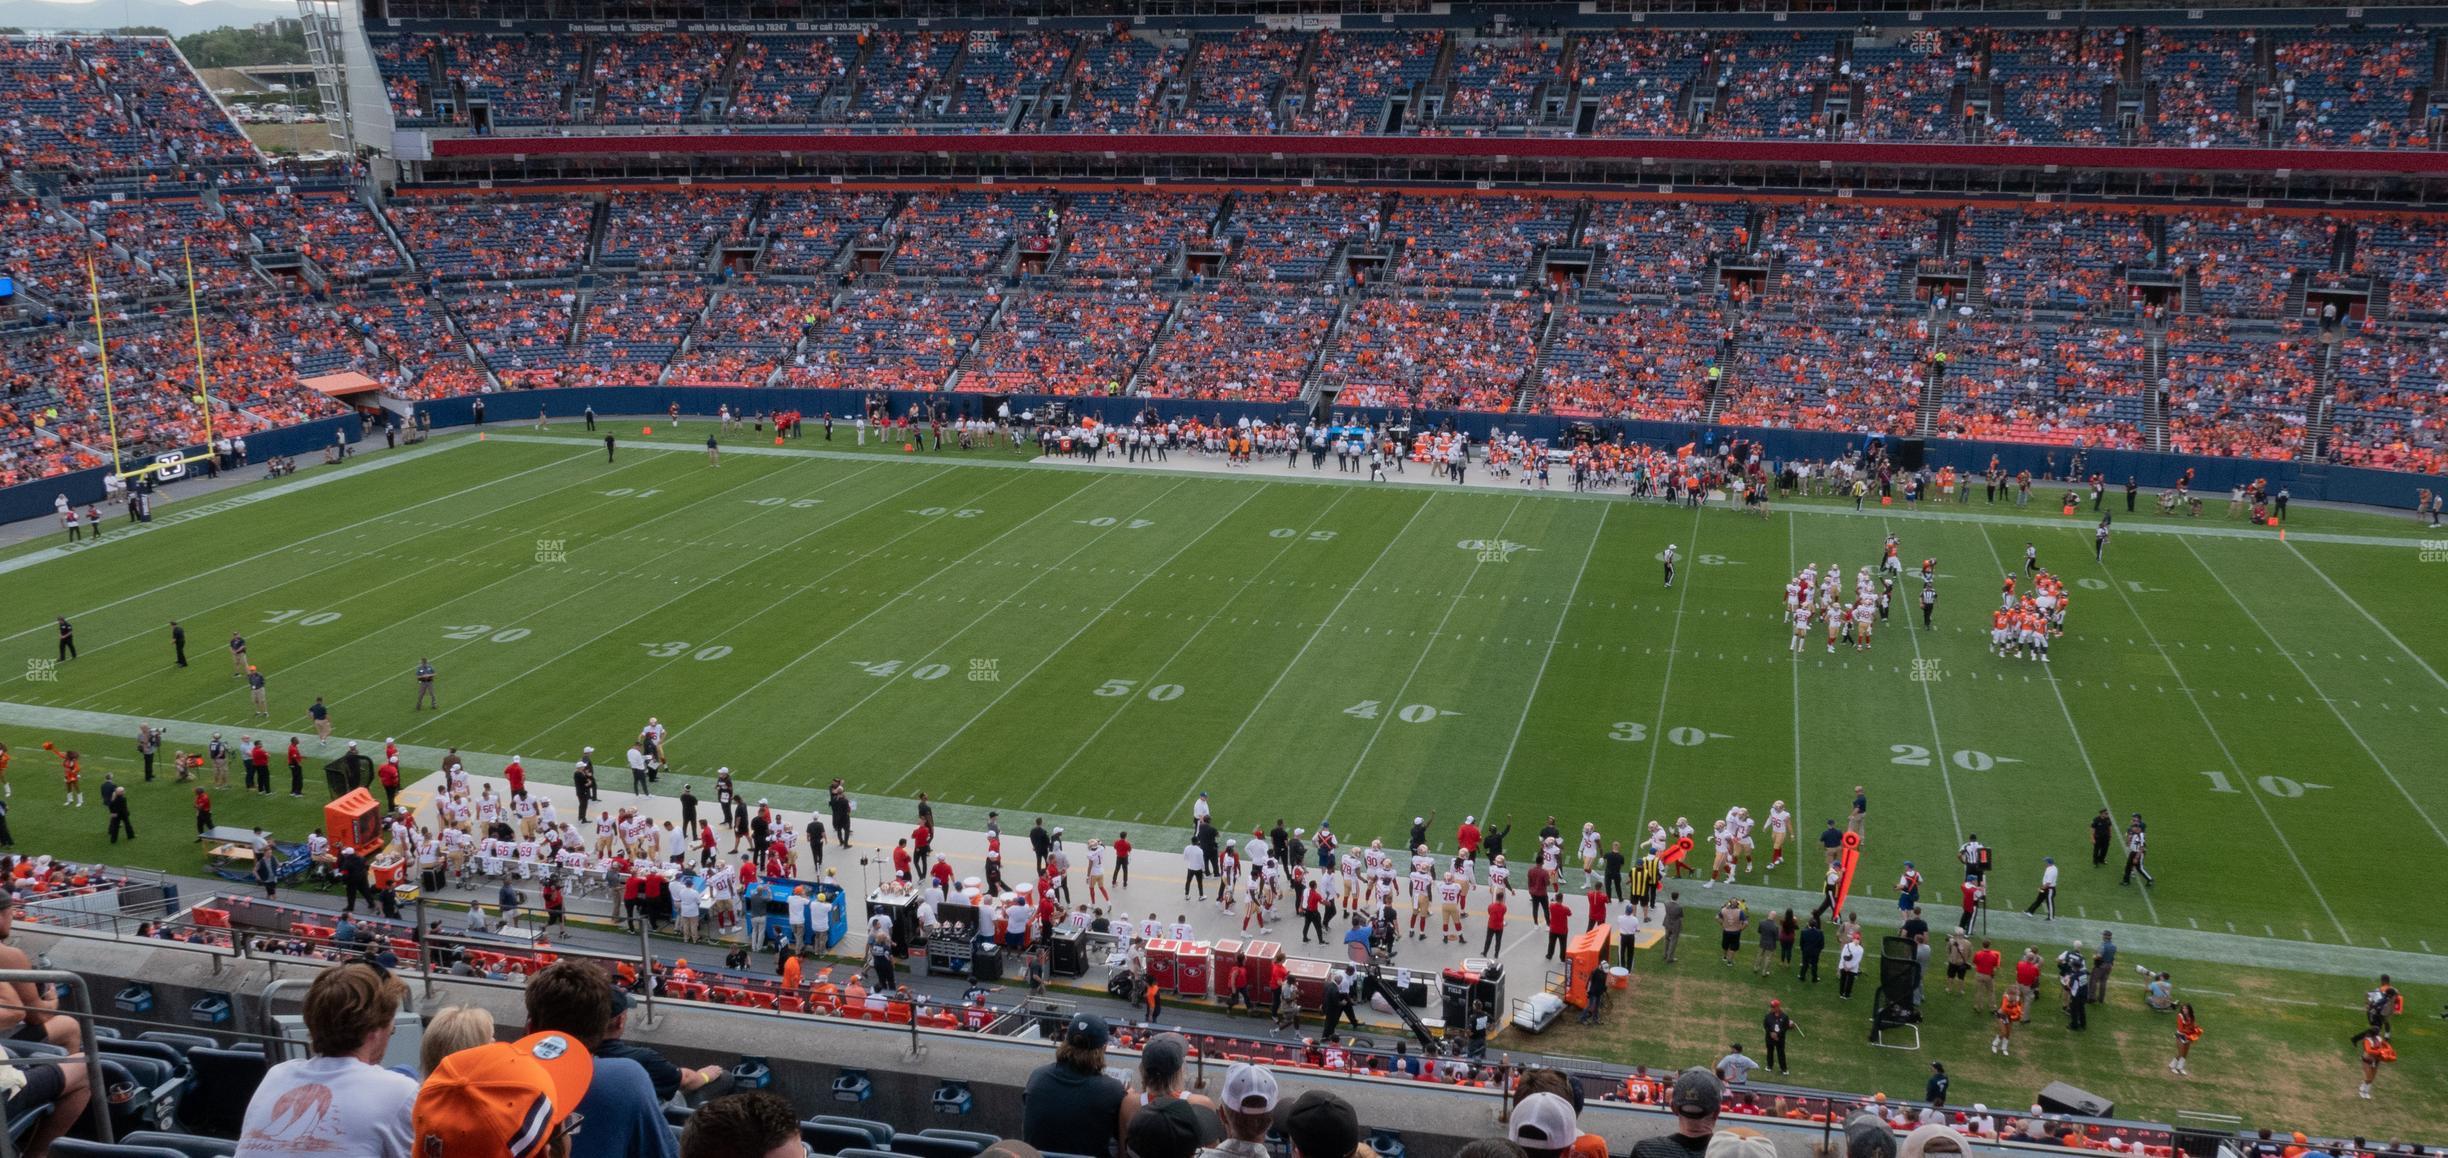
828,1138
935,1146
879,1134
225,1081
188,1145
79,1148
861,1152
181,1042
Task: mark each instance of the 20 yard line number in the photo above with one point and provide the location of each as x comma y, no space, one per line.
1634,732
2282,787
1970,760
484,631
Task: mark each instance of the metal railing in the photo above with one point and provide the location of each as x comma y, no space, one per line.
64,982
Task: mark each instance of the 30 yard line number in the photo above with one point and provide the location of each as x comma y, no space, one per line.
674,649
1634,731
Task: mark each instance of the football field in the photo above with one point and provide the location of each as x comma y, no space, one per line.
1100,645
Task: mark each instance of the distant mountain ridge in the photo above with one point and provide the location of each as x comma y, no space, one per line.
180,19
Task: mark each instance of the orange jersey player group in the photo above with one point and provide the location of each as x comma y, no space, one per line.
2022,627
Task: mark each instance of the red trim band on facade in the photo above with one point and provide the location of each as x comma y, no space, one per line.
2143,158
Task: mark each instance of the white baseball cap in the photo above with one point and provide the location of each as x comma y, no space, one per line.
1250,1089
1543,1122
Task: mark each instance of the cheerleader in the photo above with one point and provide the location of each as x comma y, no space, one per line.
2188,1031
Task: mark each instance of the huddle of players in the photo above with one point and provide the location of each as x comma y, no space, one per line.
2022,625
1811,596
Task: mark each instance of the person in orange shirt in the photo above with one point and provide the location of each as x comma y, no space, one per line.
71,770
2010,1011
2188,1031
790,971
2376,1050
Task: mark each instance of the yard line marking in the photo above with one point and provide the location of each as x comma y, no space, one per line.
1674,639
252,559
1281,553
1005,689
520,573
2073,729
758,556
2224,751
656,668
1540,676
1478,562
187,514
466,523
1793,567
1306,644
981,616
1929,701
2351,730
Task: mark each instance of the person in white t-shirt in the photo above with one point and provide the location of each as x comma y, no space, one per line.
338,1100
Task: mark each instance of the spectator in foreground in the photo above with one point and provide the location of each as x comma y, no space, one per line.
513,1099
621,1117
1160,1079
751,1124
1069,1106
1741,1142
338,1099
1247,1110
453,1028
668,1079
1322,1125
1544,1125
1868,1137
1542,1080
1694,1099
1491,1148
27,1013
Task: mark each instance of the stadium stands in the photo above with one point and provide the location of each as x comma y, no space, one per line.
672,231
1292,236
2069,260
1065,343
1238,342
1631,363
1119,236
748,330
889,339
487,238
1659,247
1495,83
1358,73
1476,241
968,234
1447,355
631,329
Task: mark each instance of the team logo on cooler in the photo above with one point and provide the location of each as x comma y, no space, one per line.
1494,550
171,465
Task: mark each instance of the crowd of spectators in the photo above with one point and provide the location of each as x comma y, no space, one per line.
1476,241
2202,89
1117,83
122,109
415,353
748,330
2046,85
652,78
968,233
170,233
330,228
808,230
1905,91
1846,251
1290,235
1235,79
995,68
783,79
521,331
673,230
489,238
1436,354
898,70
1496,83
1065,343
2389,412
2239,390
49,250
1658,247
2053,384
631,329
1851,369
1767,85
2069,259
1125,236
523,78
1640,77
2244,259
2412,253
1355,75
889,339
1238,341
1636,362
2354,87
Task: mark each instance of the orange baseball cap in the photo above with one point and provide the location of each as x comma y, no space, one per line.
501,1100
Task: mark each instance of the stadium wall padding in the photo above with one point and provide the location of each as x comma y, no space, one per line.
2311,481
32,500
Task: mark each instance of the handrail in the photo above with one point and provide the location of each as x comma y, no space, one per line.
98,1101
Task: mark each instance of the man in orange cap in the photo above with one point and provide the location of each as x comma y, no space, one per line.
504,1100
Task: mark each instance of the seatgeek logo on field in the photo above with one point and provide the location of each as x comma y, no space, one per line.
2434,551
1494,550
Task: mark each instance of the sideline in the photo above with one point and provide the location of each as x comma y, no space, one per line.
963,831
1485,485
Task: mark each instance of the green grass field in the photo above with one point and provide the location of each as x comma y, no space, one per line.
1103,644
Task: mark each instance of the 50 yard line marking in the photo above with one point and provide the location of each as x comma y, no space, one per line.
1157,675
2325,698
2080,748
1306,644
1674,642
1006,689
1461,592
1540,676
2165,657
957,632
